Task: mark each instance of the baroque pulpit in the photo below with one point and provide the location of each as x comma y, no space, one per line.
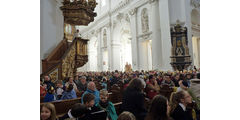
64,60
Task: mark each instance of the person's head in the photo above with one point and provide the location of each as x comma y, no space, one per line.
48,111
103,95
136,84
188,76
69,88
83,80
177,76
91,86
159,108
180,97
88,100
151,79
116,74
46,78
76,77
78,110
167,77
59,83
70,79
126,116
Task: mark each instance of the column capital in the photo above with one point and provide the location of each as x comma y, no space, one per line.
133,11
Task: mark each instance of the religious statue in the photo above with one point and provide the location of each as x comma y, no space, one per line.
144,20
128,67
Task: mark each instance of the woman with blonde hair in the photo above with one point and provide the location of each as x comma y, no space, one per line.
47,112
126,116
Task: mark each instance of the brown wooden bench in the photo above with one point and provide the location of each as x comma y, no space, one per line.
118,107
63,106
41,99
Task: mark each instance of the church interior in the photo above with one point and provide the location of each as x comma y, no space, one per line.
120,59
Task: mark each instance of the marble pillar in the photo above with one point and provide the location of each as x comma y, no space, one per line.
165,35
156,36
134,40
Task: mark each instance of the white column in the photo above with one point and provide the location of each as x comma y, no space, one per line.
109,47
143,57
99,52
188,24
134,41
115,55
156,35
165,35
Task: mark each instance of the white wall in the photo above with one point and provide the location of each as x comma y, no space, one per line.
51,25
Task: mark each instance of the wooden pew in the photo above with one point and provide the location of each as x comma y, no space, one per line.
63,106
41,99
118,107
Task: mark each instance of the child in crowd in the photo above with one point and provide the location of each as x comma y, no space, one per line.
69,93
106,105
60,89
50,96
126,116
77,112
48,111
104,83
94,112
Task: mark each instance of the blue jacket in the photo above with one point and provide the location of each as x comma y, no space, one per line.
69,95
95,93
49,98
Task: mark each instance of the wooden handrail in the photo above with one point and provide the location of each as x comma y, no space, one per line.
63,43
57,62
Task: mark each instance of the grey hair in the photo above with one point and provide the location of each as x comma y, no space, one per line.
143,82
83,77
90,83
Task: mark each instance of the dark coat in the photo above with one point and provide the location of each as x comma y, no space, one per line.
180,114
96,114
133,101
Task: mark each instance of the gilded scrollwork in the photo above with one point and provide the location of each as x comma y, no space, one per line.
79,12
54,75
68,63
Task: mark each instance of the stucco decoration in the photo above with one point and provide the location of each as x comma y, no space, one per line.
104,38
144,20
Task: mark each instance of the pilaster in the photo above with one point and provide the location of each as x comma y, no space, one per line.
134,41
156,35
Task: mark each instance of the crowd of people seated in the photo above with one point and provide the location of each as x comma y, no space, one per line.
138,87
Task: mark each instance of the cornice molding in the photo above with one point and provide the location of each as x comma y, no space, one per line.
121,5
145,35
110,13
